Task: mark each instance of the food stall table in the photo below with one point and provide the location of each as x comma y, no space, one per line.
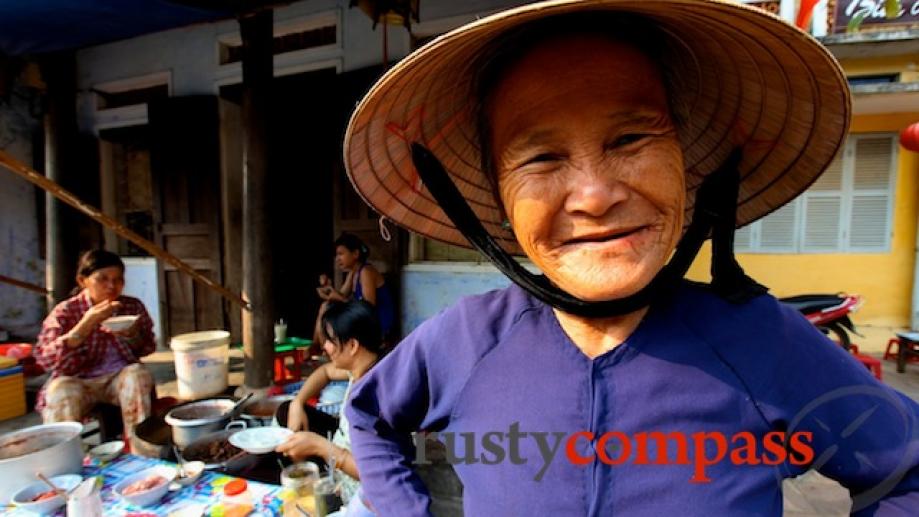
207,490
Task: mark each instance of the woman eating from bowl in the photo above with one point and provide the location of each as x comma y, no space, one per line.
605,141
89,361
353,343
363,282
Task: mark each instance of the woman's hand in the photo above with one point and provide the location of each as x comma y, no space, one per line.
296,417
303,445
90,321
100,312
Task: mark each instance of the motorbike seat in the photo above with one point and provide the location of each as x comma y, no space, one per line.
807,303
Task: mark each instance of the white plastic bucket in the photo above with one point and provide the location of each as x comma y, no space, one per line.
202,363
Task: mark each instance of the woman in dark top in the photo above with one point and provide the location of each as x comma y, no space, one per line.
363,282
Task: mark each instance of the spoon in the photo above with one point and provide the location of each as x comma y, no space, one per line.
54,487
236,408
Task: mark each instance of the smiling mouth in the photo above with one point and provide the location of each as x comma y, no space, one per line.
606,237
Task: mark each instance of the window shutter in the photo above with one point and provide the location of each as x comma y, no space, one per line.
821,227
848,209
777,230
743,238
869,222
831,179
872,163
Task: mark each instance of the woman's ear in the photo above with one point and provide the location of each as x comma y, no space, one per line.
353,347
81,281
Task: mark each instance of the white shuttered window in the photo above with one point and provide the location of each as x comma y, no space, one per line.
847,210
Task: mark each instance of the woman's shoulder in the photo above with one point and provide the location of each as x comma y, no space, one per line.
479,320
131,304
758,332
74,306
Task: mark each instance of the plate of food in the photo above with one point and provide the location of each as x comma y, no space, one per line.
260,440
119,323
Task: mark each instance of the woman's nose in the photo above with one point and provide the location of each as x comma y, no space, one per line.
593,190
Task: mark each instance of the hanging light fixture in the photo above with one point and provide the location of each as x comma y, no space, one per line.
390,12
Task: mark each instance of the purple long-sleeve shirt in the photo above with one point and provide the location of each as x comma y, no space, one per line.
499,365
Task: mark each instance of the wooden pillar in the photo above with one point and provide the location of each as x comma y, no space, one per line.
258,323
62,223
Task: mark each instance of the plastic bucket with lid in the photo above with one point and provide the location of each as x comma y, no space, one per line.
202,363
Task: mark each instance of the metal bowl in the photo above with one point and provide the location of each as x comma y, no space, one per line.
261,412
193,420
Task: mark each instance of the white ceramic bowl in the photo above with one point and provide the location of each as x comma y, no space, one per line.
119,323
191,471
107,451
260,440
23,498
147,497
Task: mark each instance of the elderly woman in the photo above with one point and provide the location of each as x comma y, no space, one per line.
603,139
89,362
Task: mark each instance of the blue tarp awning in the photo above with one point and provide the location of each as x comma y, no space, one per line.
37,26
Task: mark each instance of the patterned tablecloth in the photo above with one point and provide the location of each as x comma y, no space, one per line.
206,491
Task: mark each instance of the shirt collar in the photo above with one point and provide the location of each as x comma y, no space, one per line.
85,301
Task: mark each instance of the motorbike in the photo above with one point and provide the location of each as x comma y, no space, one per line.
829,313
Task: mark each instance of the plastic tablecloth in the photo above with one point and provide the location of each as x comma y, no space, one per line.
207,490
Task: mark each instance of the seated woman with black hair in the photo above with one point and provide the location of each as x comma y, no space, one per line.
363,282
353,343
89,362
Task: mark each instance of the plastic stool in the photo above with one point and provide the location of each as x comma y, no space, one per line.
892,355
872,364
283,374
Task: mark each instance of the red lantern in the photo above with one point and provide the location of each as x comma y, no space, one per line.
909,137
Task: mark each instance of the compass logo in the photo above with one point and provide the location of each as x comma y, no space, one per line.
846,443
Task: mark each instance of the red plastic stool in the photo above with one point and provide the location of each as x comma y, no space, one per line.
282,373
892,355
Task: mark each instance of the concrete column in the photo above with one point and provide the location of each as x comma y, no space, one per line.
62,224
258,323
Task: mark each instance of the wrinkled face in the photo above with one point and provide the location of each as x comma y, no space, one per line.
589,167
104,284
346,259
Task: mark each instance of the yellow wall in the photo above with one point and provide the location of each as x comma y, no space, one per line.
907,65
884,279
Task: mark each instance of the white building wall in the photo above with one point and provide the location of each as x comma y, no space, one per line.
21,311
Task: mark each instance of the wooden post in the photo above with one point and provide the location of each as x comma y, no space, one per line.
61,231
256,31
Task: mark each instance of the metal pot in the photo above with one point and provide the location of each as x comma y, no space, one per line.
261,412
193,420
50,449
197,451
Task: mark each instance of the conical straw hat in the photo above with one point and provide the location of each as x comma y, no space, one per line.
742,77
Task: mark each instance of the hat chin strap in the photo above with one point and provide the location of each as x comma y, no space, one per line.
714,211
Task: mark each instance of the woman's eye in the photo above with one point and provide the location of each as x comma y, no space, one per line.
541,158
628,139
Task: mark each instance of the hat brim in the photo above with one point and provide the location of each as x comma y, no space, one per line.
744,78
